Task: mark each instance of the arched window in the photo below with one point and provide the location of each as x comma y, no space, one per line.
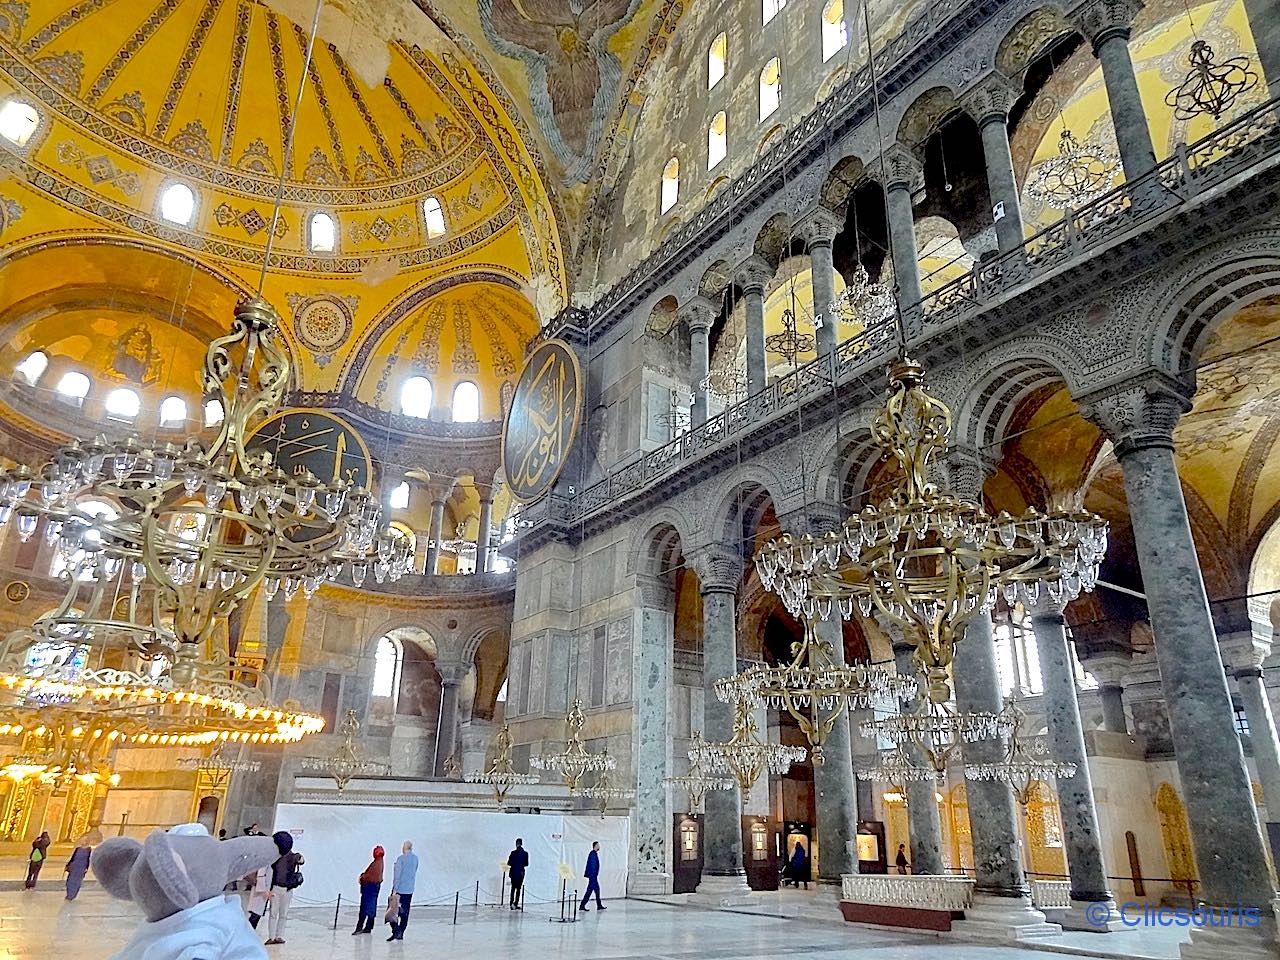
466,402
18,121
213,412
772,8
173,412
770,87
387,661
433,217
835,32
178,204
322,233
717,57
399,499
415,398
717,140
33,367
670,184
73,387
122,404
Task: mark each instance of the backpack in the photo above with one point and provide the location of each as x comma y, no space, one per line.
37,855
293,879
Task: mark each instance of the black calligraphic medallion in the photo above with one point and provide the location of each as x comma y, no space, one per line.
543,420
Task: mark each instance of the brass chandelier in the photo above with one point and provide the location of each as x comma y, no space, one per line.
1025,762
501,774
937,730
573,762
924,557
698,782
603,790
346,762
745,757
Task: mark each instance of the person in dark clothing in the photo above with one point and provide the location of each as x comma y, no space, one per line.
76,868
517,863
592,873
285,878
900,861
39,853
370,886
797,870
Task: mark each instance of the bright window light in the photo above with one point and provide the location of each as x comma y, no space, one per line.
466,402
178,204
717,140
772,8
33,367
770,87
213,413
322,233
433,215
18,121
415,398
123,404
717,55
386,668
399,499
670,184
835,32
173,412
74,386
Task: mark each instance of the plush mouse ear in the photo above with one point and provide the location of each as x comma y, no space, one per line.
246,854
112,861
173,880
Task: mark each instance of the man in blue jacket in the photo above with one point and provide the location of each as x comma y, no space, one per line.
517,863
592,873
402,883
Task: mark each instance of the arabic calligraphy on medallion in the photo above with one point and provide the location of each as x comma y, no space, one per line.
543,420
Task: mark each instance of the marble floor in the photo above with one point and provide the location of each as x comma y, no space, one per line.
36,926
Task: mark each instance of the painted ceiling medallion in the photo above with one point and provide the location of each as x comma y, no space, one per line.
323,324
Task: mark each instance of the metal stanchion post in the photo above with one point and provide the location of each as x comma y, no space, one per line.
456,896
477,903
337,908
502,894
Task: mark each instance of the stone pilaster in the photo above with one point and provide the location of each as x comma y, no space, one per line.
989,102
699,313
818,229
751,276
651,677
1139,418
904,176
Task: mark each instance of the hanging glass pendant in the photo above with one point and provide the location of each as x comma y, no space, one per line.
1210,88
1079,174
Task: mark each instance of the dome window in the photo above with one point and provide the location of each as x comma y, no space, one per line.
717,140
178,204
717,55
835,32
670,184
466,402
770,87
415,398
213,413
399,499
322,233
73,387
772,8
433,217
123,404
33,367
18,122
173,412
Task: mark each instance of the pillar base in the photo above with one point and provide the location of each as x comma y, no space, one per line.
1087,916
1233,943
1003,920
649,884
716,892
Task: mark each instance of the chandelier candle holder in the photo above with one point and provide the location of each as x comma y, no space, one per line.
790,343
346,763
896,768
925,558
1210,88
814,689
604,792
1026,760
745,757
937,730
573,762
725,386
55,755
698,782
501,774
217,763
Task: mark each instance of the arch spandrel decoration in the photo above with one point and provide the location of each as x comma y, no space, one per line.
543,420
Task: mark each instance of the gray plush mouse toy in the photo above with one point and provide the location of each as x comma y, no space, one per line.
177,877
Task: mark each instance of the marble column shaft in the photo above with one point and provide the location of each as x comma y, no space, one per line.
1001,182
1112,697
1264,24
652,823
923,821
993,817
1133,134
446,736
1215,782
1262,736
902,233
699,366
824,292
722,833
434,535
483,534
835,797
1066,738
757,370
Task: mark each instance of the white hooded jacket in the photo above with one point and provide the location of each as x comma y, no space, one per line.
215,929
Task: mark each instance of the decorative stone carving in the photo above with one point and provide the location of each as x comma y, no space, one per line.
719,568
819,227
965,470
902,169
1139,413
452,672
817,517
1101,19
989,99
699,313
1032,34
752,274
655,593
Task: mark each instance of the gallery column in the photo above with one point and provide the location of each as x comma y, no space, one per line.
483,531
698,313
989,103
904,177
436,532
452,673
719,569
1246,653
1139,418
751,276
923,821
819,229
655,601
1110,669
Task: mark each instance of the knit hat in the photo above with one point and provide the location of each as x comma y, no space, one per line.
284,841
378,852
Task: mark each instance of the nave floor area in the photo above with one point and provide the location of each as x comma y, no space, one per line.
43,925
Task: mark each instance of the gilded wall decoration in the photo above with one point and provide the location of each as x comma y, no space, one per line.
65,69
257,159
323,323
16,591
129,109
193,140
382,229
13,17
250,220
134,357
100,168
320,170
427,357
10,211
464,352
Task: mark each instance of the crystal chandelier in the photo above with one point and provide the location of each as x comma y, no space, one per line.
862,302
218,764
728,385
346,763
745,757
697,783
1026,760
896,768
936,729
1078,174
1210,88
500,774
573,762
604,792
923,557
814,689
790,343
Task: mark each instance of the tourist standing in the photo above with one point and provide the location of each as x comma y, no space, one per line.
592,873
797,870
403,878
77,867
517,863
39,851
900,861
286,877
370,886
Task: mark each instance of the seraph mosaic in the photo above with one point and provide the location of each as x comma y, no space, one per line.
573,78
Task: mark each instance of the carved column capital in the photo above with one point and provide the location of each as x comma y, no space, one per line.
655,593
818,228
1109,669
1100,20
452,672
752,274
989,99
1138,413
1046,608
719,568
964,471
699,313
1246,650
902,170
817,518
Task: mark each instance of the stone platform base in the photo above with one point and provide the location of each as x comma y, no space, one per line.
913,918
1087,917
649,884
1233,943
1004,920
722,892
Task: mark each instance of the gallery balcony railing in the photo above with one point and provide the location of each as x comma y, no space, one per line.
1190,173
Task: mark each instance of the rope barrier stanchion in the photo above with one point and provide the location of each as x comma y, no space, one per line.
456,897
477,900
502,895
336,909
